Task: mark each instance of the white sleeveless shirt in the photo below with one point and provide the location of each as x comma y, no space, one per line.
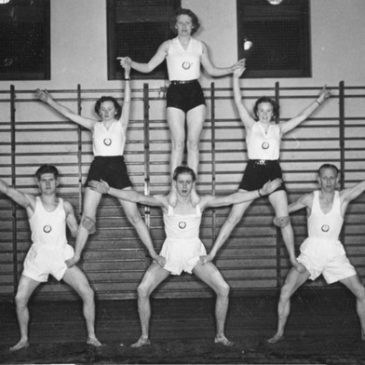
48,228
321,225
184,64
261,145
179,226
108,142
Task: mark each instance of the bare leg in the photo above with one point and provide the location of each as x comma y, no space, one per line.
25,289
209,274
293,281
134,217
235,215
354,285
154,276
279,201
78,281
91,203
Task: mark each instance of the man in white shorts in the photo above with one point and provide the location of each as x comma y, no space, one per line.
48,216
182,249
322,252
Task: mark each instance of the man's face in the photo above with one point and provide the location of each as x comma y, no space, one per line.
184,184
47,183
328,179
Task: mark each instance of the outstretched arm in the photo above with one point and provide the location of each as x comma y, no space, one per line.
156,60
26,201
245,116
46,97
210,201
124,119
304,114
129,195
217,71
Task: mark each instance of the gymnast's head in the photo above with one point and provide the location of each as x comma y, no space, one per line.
266,109
107,108
184,170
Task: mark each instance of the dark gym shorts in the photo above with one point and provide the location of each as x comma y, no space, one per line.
111,169
184,95
258,172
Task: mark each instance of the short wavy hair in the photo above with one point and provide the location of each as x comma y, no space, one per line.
46,169
101,100
191,14
183,170
266,99
328,166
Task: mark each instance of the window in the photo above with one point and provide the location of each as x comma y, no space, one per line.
25,40
280,36
136,28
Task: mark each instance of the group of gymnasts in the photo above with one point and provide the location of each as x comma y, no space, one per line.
182,207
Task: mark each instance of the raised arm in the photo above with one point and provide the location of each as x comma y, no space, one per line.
245,116
352,193
304,114
129,195
124,119
239,197
46,97
71,220
214,71
26,201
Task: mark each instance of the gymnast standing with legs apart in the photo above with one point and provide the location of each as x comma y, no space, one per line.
263,138
184,56
109,139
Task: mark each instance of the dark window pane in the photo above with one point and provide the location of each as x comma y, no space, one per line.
25,39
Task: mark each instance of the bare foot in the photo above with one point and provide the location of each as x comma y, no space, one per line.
223,340
22,344
276,338
93,341
142,341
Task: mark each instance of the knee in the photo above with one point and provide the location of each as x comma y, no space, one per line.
20,300
223,290
282,222
285,293
143,291
193,145
88,223
87,293
177,144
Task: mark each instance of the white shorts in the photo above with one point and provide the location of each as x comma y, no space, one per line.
40,262
182,254
325,257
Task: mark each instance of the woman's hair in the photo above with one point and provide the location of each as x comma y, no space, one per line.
46,169
192,15
101,100
266,99
183,170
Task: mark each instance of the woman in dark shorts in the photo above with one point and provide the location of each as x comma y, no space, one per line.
184,55
263,137
109,138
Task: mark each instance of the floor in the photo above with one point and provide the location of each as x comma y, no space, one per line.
323,329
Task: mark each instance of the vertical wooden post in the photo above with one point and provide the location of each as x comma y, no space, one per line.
79,150
146,130
212,123
341,104
13,184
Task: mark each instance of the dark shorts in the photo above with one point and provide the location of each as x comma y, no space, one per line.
185,96
258,172
111,169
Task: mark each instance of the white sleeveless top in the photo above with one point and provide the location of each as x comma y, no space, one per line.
182,226
261,145
108,142
327,226
48,228
184,64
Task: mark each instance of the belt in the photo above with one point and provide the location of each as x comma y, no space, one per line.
263,162
178,82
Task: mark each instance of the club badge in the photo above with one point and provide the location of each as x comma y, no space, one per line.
107,141
47,228
265,145
182,225
325,228
186,65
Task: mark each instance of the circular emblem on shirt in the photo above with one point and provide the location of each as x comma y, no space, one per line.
186,65
325,228
182,225
47,228
265,145
107,141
